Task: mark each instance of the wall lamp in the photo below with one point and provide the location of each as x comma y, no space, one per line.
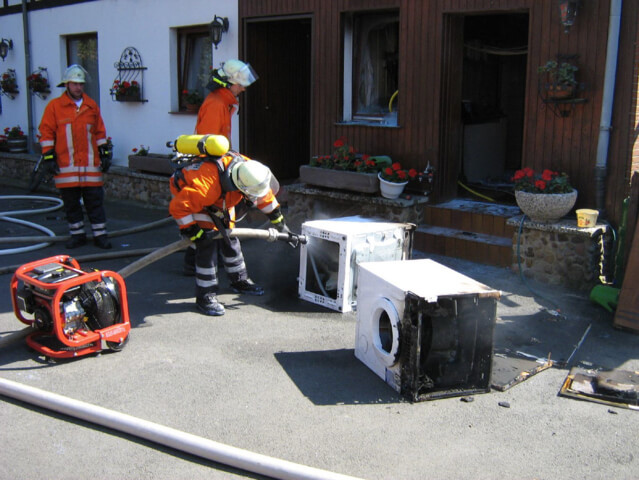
5,46
217,27
568,13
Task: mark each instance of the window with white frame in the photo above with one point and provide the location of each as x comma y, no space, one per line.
194,62
371,54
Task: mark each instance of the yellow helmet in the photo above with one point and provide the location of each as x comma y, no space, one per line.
252,178
73,73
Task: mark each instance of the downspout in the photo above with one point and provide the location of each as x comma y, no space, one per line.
27,66
605,126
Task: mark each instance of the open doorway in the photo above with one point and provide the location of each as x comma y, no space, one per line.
277,110
493,102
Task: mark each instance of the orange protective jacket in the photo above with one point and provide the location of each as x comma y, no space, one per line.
75,133
200,187
214,116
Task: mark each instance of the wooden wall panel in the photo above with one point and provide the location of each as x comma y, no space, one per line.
567,143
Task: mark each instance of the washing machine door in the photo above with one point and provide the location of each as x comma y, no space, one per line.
385,331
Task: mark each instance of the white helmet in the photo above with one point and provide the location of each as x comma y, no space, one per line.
238,73
74,73
252,178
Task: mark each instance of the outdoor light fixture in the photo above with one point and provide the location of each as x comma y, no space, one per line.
568,12
5,46
217,27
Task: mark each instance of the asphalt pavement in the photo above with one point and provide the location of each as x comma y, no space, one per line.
277,376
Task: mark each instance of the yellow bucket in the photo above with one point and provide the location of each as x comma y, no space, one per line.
587,218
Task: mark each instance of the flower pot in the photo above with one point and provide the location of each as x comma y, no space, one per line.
17,145
390,190
339,179
192,107
545,207
127,98
559,92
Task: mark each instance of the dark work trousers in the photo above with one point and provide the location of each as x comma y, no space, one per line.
93,198
206,260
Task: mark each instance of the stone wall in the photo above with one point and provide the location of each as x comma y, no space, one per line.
120,183
561,253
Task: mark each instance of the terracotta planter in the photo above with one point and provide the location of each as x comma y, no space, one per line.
545,207
192,107
559,92
127,98
339,179
390,190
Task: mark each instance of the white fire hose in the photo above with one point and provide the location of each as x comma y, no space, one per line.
201,447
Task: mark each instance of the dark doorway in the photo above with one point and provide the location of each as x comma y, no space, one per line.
276,119
493,98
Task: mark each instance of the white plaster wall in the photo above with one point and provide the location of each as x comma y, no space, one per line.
147,25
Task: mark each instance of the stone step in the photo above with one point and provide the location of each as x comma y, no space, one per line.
472,216
476,247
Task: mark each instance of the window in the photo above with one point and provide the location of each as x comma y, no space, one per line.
194,61
83,50
371,54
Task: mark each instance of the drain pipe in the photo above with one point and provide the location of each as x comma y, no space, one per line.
170,437
27,66
605,126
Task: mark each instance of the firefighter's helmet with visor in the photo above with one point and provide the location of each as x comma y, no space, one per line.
238,73
252,178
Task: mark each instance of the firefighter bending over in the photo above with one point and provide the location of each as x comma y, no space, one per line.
206,194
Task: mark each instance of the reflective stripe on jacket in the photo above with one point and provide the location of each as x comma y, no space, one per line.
75,133
201,188
214,116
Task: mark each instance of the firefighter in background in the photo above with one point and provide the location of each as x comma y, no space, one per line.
214,115
75,149
206,195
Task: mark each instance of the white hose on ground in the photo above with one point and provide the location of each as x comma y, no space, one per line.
170,437
10,251
5,216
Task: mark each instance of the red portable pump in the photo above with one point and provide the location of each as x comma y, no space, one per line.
74,312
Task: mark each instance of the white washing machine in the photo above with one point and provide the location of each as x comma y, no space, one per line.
425,329
328,262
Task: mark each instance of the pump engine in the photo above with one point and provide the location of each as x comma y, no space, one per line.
73,312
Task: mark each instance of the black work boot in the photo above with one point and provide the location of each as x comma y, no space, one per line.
248,287
208,305
76,241
101,241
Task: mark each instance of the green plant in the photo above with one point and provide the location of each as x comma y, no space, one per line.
38,82
548,181
345,157
143,150
560,73
396,174
14,132
124,88
8,81
193,97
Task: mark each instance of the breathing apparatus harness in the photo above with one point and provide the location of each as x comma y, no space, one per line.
220,216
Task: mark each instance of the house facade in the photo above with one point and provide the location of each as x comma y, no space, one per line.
159,44
453,84
450,84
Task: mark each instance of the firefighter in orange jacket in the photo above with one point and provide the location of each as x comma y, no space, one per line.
214,116
205,196
75,148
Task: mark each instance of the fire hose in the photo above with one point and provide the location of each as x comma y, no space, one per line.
202,447
270,235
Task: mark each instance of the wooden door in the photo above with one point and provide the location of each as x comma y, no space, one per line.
275,124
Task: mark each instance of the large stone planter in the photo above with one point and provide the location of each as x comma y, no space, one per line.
339,179
545,207
151,163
